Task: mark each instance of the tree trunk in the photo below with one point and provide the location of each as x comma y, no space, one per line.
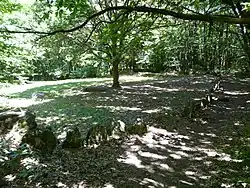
115,75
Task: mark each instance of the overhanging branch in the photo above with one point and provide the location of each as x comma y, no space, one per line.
144,9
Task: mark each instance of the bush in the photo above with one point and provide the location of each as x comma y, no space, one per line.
88,71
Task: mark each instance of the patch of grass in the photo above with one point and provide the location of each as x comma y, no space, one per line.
51,90
66,107
70,111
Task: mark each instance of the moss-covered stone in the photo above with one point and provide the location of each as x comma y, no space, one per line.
73,139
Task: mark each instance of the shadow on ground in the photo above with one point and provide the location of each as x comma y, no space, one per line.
176,151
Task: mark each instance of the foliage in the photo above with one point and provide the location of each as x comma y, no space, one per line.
130,42
123,41
14,57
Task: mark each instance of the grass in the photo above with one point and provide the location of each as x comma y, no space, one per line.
65,105
179,151
53,90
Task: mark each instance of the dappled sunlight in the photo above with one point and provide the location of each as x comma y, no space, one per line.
236,93
21,103
186,183
50,119
164,167
10,177
159,89
208,134
175,152
151,182
30,162
131,159
175,156
151,155
159,148
35,84
107,185
151,111
14,136
120,108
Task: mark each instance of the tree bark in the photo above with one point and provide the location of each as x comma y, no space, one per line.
115,75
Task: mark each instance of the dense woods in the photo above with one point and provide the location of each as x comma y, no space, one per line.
191,59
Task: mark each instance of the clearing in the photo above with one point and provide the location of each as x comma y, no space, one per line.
176,152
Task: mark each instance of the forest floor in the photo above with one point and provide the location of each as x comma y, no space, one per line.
176,151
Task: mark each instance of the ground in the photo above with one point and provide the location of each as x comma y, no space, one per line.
176,152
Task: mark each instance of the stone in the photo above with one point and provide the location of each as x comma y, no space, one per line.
73,139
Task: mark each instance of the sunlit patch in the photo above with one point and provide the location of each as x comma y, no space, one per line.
50,119
163,81
135,148
171,90
10,177
207,163
146,181
185,182
227,185
156,146
227,157
62,135
15,136
203,122
29,162
209,152
131,158
248,101
167,108
185,148
190,173
235,93
151,155
164,166
81,184
120,108
181,136
181,153
175,156
237,123
208,134
151,111
204,141
204,177
160,131
60,184
198,158
107,185
148,139
165,142
182,143
211,134
20,102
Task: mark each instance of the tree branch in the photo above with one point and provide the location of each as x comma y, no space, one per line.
144,9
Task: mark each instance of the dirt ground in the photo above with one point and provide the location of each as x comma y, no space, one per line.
176,152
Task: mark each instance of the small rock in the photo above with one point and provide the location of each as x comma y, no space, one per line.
43,140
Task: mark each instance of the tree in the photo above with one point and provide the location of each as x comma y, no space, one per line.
117,19
13,57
